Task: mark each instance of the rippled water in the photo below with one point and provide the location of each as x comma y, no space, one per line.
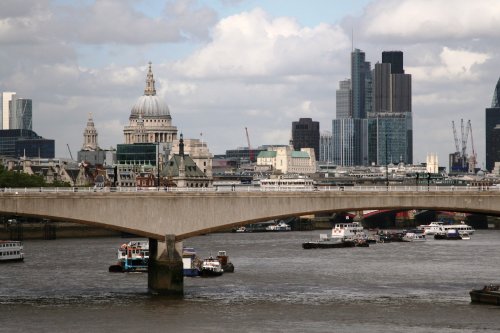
64,286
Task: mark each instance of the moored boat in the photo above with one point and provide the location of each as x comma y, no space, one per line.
440,228
448,235
282,226
11,251
190,262
211,267
489,294
132,257
325,242
413,236
226,265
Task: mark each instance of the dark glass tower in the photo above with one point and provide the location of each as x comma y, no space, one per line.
493,130
305,134
395,58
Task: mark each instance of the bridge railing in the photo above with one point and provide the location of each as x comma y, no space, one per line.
251,188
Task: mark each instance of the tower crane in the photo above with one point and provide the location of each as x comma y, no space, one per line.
70,155
250,152
465,135
457,145
473,158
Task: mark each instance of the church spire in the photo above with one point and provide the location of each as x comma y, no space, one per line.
150,83
90,135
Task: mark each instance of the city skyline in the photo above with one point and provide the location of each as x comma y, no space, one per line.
223,66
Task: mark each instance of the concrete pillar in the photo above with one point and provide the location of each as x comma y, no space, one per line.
165,275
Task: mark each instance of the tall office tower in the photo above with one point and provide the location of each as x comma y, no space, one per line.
395,58
7,97
344,99
21,114
349,142
305,134
493,130
390,124
360,74
382,88
325,147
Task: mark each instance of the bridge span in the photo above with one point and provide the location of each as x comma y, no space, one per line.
172,216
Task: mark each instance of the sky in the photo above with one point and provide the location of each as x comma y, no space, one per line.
224,65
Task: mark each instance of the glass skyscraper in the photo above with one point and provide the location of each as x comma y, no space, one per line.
21,114
350,141
493,130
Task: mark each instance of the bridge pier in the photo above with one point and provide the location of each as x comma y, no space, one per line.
165,275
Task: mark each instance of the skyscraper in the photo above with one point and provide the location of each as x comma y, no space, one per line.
493,130
344,99
360,74
354,101
305,134
21,114
390,124
7,97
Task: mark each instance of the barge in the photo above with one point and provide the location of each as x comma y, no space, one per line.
489,294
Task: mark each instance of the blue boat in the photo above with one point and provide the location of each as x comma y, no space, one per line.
190,262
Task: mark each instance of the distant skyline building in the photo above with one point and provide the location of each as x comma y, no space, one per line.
7,97
493,130
360,78
349,142
21,114
150,120
390,124
325,147
354,101
344,99
305,134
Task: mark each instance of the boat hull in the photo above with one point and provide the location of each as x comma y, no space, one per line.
210,273
485,296
327,245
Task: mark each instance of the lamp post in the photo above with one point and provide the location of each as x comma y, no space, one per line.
386,166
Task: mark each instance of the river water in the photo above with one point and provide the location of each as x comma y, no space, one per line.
64,286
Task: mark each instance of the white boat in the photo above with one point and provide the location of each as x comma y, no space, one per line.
132,257
282,226
465,236
241,229
11,251
283,183
347,230
414,237
211,267
441,228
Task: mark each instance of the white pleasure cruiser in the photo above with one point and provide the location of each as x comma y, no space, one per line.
347,230
11,251
441,228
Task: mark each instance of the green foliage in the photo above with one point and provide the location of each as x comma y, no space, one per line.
19,179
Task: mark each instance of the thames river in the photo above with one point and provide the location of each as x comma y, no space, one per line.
64,286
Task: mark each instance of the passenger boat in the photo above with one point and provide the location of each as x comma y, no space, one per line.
132,257
439,227
488,294
282,226
326,242
283,183
211,267
11,251
448,235
347,230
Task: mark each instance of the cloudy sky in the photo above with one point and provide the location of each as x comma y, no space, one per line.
224,65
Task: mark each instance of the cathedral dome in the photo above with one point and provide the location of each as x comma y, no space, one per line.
150,105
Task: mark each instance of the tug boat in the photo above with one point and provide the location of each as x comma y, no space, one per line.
11,251
347,234
132,257
211,267
226,265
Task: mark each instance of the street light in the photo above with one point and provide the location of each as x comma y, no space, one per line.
386,166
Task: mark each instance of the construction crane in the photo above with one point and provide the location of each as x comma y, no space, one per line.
473,158
465,135
70,155
457,145
250,152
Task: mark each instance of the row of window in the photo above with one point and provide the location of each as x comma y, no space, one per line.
10,253
8,245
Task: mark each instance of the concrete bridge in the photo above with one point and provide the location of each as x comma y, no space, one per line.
170,217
